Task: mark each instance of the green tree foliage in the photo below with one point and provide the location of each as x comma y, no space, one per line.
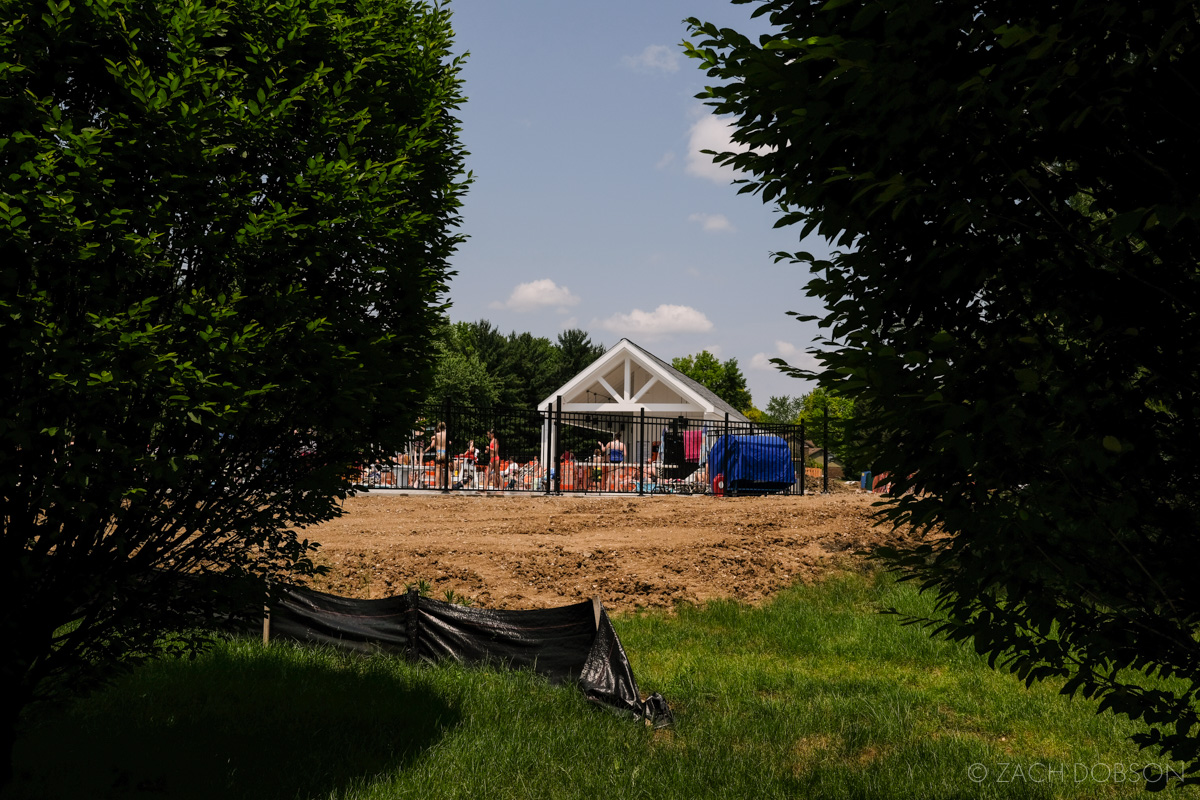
821,401
461,378
576,351
822,408
811,409
1027,362
755,415
479,366
534,361
784,410
489,344
517,379
224,233
723,379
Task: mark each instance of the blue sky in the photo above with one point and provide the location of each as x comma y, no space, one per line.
593,208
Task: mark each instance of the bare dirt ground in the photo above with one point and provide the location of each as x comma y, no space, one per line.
537,551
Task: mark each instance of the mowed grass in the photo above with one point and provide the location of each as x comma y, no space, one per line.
814,695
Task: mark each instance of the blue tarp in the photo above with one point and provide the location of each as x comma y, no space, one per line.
756,464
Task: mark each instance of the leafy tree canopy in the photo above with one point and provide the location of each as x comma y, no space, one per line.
224,233
824,408
756,415
723,379
481,367
785,410
576,351
821,401
461,378
1015,307
536,363
811,410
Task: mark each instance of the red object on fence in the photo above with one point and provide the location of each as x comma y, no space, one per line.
719,485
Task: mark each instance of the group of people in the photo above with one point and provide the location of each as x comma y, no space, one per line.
468,463
607,469
408,469
472,459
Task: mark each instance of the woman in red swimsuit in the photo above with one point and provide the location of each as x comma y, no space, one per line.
492,480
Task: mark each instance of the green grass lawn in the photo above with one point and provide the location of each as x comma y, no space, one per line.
815,695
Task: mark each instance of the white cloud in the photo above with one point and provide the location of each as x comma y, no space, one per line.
535,295
711,133
666,160
664,320
761,361
713,222
786,349
789,353
655,58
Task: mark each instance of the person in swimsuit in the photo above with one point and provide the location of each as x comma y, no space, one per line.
464,464
594,471
614,455
652,467
437,444
492,480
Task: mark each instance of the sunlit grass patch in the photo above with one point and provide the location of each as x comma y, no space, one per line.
816,694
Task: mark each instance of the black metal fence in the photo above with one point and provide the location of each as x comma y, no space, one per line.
551,451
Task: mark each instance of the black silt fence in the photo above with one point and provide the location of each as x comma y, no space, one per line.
572,644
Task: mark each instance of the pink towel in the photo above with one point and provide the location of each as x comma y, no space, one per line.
691,445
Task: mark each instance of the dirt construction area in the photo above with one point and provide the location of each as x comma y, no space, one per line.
631,552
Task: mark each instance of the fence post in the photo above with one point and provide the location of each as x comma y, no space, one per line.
412,626
557,454
448,467
725,460
803,457
825,453
548,466
267,614
642,451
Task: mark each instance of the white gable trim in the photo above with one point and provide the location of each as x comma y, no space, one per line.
629,399
613,392
649,385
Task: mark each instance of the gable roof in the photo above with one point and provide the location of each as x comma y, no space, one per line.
710,396
628,378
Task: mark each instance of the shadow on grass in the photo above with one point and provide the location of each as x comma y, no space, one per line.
234,725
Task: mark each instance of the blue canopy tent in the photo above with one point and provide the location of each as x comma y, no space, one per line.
756,464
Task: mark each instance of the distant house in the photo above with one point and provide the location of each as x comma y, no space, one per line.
836,470
814,454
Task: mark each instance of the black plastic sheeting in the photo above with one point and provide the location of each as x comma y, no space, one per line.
571,644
